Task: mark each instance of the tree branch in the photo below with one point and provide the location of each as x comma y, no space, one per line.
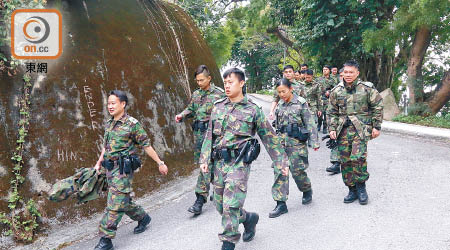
277,31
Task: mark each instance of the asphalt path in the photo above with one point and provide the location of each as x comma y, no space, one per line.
408,206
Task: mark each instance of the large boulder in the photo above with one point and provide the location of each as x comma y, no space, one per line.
148,48
390,109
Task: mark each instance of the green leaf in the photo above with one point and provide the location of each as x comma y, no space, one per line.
330,22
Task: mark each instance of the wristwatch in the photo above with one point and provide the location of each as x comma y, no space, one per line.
161,163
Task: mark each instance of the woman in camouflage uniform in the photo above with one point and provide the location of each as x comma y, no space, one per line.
292,119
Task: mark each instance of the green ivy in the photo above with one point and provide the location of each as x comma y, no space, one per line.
22,223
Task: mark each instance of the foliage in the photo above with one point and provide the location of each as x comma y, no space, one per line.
432,121
23,216
219,32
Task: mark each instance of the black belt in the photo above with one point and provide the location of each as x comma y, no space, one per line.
226,154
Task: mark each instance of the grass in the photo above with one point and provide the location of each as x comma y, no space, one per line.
430,121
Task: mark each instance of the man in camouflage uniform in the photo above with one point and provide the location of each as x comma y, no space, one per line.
313,96
122,134
292,109
356,114
297,76
234,122
326,84
335,167
334,75
199,109
288,73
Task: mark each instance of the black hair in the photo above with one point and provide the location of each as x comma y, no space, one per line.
334,67
121,95
239,74
304,65
288,67
341,70
202,69
309,72
327,66
285,82
303,71
352,63
297,71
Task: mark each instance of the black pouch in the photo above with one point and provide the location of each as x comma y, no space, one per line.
203,126
225,154
195,126
127,167
135,162
289,130
303,134
253,151
108,164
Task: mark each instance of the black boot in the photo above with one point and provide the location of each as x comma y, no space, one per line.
142,224
226,245
362,193
104,244
251,219
198,204
307,197
335,168
325,131
352,195
280,209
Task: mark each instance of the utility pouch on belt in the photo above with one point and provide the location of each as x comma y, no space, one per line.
225,154
253,151
108,164
199,125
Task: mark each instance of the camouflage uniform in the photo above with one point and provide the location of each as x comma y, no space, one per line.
199,109
325,84
231,126
363,105
121,136
296,111
298,87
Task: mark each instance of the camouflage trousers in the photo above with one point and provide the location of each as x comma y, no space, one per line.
334,155
352,154
298,158
316,120
204,179
230,190
119,202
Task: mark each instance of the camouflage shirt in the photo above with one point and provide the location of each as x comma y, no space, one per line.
122,136
233,124
325,84
298,90
202,102
313,96
296,111
361,102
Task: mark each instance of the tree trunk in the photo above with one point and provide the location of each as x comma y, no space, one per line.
442,95
415,61
378,70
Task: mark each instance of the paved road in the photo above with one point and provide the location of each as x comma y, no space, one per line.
408,208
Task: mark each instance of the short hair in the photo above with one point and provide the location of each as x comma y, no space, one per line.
334,67
121,95
288,67
352,63
202,69
285,82
341,70
304,65
303,71
309,72
239,74
297,71
327,66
